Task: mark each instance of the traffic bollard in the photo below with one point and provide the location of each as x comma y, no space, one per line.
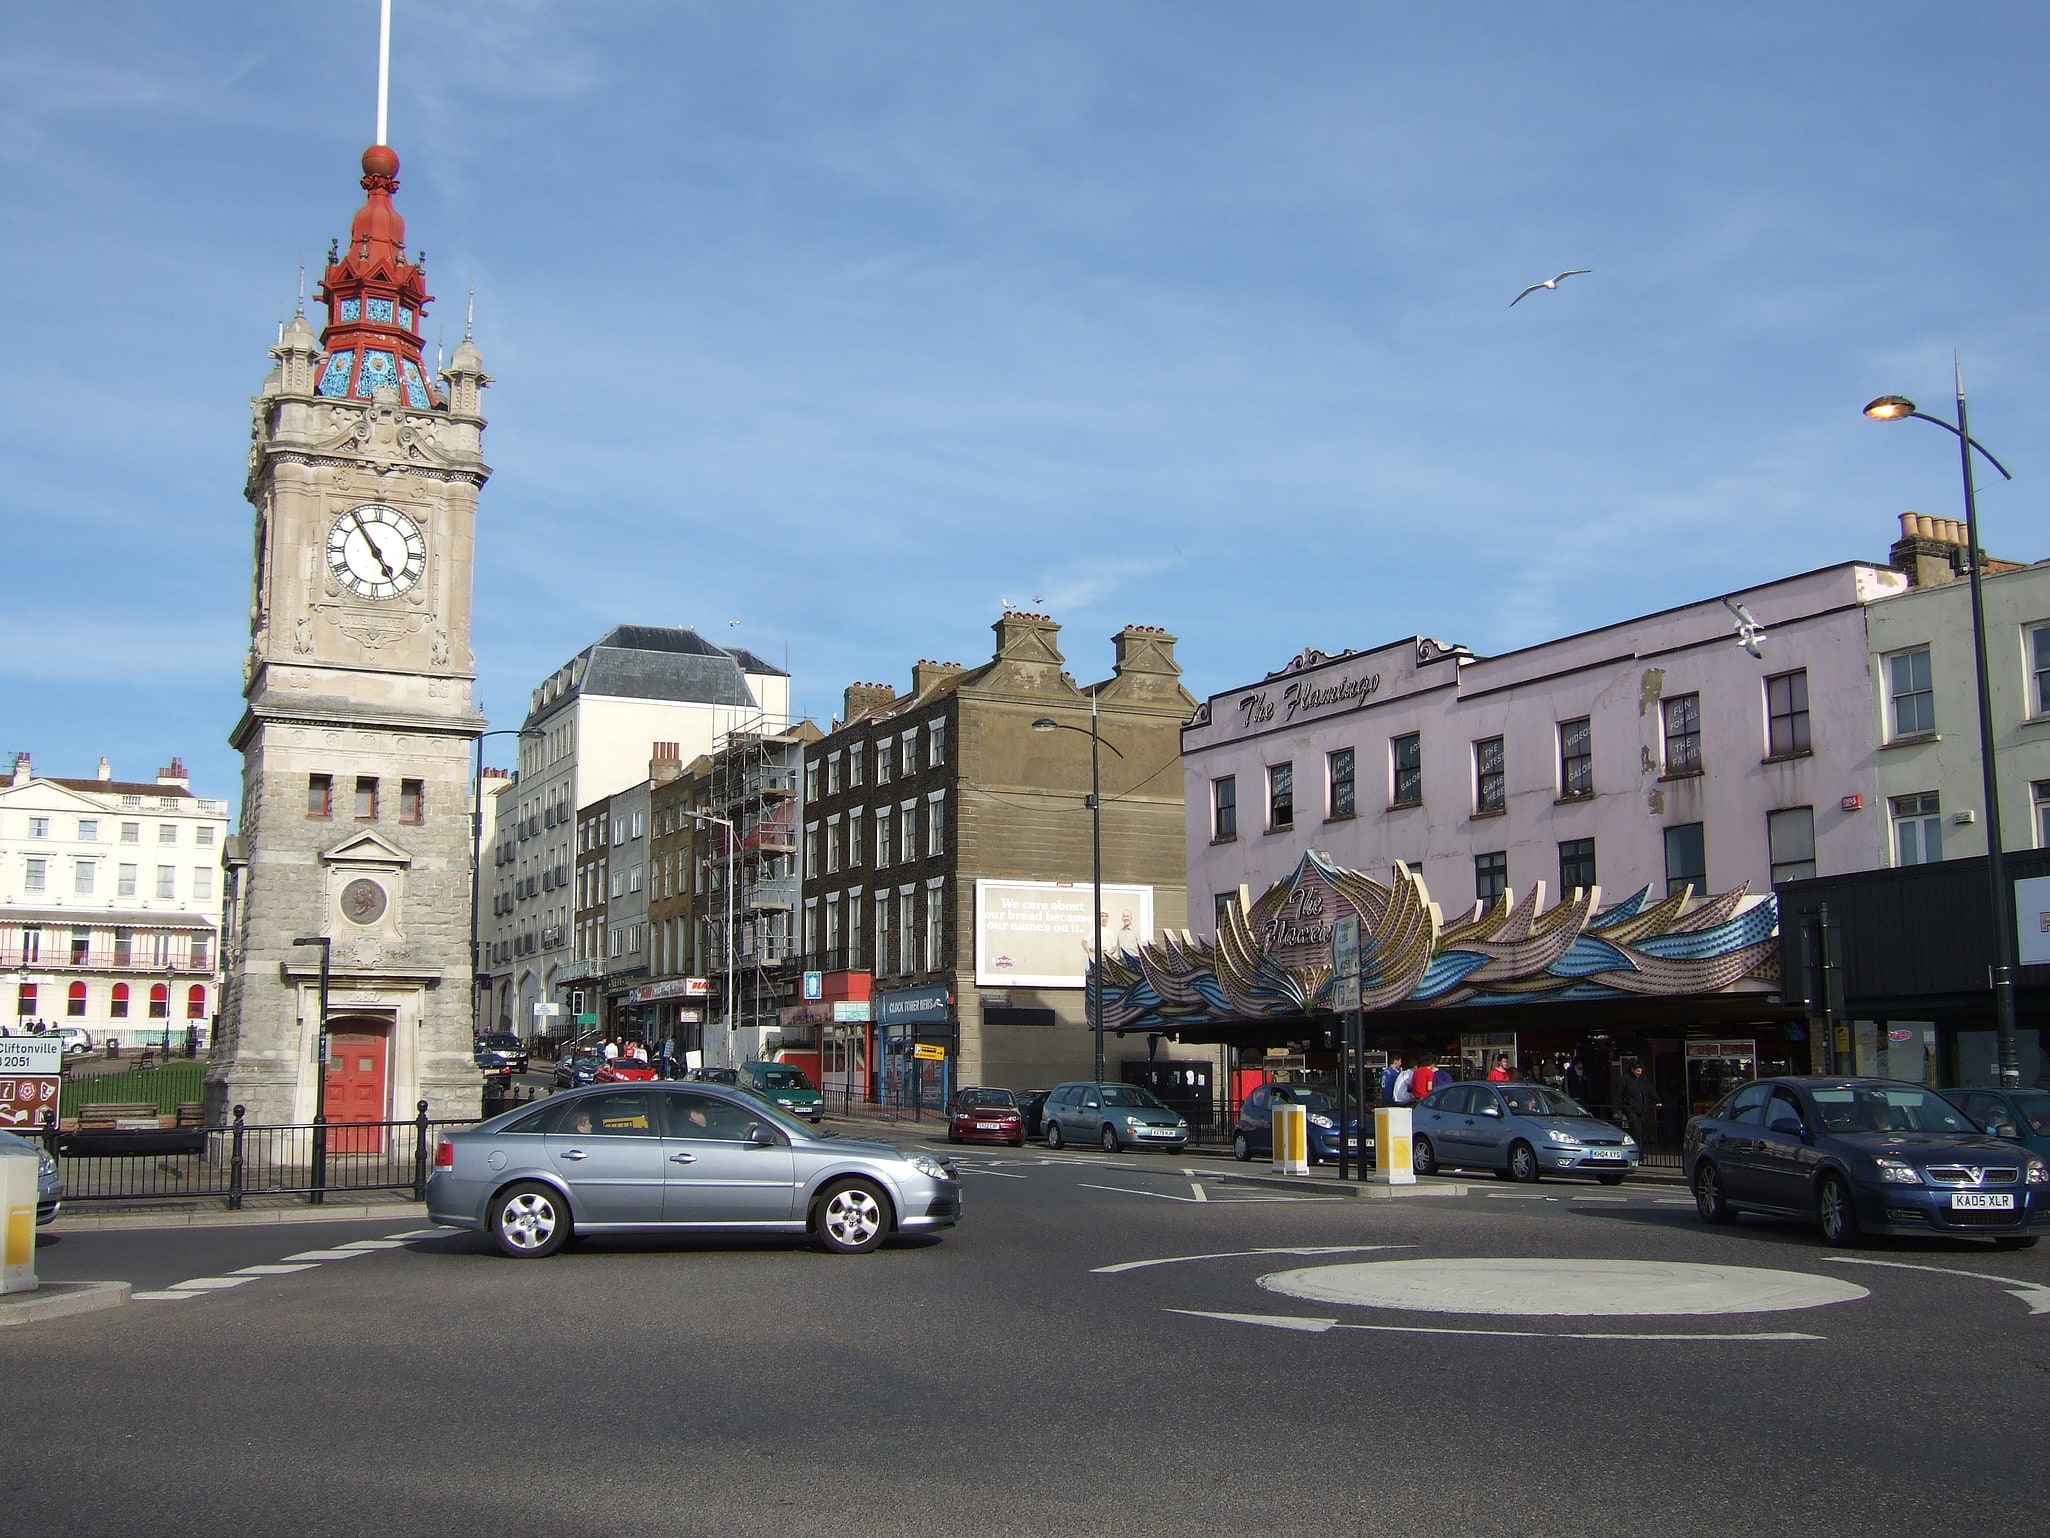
19,1168
1291,1140
1394,1163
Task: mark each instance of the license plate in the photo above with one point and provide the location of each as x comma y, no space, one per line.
989,1126
1980,1200
1605,1153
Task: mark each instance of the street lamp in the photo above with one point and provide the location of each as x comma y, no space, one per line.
1895,408
319,1196
1049,724
477,856
731,840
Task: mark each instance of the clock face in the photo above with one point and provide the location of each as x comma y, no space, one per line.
376,551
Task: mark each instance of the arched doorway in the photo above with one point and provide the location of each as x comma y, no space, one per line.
358,1083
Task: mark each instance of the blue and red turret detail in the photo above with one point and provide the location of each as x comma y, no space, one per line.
375,300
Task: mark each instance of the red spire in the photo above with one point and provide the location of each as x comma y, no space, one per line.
375,299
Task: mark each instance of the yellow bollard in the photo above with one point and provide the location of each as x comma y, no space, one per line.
1291,1140
1393,1162
18,1220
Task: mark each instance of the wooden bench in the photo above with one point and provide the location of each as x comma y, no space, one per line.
124,1128
122,1115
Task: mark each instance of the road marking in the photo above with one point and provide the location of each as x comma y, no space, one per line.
1520,1196
983,1169
1532,1288
1201,1194
160,1297
210,1283
1600,1198
2035,1294
373,1244
272,1270
1312,1249
1672,1201
427,1233
1320,1326
327,1254
1166,1196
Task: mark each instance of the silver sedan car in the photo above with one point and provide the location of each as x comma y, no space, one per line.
679,1157
1523,1131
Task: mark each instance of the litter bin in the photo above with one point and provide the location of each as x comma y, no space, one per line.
113,1046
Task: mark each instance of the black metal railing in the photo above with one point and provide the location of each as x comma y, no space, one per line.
234,1162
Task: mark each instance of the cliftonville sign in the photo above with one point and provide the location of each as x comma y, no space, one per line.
1303,695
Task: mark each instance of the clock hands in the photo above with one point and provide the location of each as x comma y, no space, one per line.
376,553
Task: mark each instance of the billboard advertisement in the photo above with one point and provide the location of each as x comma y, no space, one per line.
1038,934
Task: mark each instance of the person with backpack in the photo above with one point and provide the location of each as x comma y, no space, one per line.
1405,1087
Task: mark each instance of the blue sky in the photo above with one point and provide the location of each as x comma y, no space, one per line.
849,321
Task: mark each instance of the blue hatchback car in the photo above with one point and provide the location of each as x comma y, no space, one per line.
1253,1137
1863,1156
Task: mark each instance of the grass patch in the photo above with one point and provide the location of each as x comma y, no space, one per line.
167,1088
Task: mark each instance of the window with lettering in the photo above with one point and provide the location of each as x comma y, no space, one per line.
1407,755
1576,758
1490,779
1340,775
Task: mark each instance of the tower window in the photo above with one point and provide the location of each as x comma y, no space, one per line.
366,798
412,798
320,795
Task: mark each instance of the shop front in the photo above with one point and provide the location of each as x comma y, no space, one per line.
668,1014
1574,994
919,1033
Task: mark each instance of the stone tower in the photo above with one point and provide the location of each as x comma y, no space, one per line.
358,733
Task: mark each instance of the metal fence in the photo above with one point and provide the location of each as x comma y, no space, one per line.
238,1161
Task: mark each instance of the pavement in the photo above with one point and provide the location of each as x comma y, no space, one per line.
1121,1345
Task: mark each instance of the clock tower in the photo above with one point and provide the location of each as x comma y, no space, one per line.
360,722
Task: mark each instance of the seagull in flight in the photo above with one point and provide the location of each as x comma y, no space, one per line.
1749,631
1549,283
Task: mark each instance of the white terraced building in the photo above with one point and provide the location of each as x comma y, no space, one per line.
110,904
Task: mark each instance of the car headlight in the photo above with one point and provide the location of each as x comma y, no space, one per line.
1566,1138
47,1166
2039,1173
930,1168
1629,1141
1894,1172
1323,1121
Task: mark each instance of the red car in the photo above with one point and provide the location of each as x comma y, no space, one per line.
986,1116
624,1070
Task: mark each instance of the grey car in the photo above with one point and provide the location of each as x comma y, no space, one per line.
49,1184
1523,1131
679,1157
1113,1116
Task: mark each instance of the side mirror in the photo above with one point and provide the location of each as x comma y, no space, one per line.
2005,1129
760,1136
1491,1110
1788,1125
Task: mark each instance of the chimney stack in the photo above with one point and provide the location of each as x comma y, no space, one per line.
862,698
665,763
22,773
925,674
1930,551
106,769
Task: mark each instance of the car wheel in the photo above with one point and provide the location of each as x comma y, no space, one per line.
1018,1141
1610,1180
1523,1163
1423,1158
852,1217
2015,1242
953,1136
1053,1134
1109,1140
1241,1148
530,1221
1709,1199
1834,1213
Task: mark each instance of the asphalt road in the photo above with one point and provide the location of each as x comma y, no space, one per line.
1024,1374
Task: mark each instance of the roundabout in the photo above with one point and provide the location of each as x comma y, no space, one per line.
1539,1288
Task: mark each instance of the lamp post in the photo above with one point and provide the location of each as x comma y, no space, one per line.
731,840
1049,724
1894,408
319,1196
477,856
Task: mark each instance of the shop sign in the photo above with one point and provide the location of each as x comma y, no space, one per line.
1304,697
1739,1049
929,1052
31,1076
1345,961
814,985
913,1006
850,1011
671,988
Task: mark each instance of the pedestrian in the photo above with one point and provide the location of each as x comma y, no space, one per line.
1636,1101
611,1050
1405,1087
1499,1074
1423,1080
1575,1082
1388,1077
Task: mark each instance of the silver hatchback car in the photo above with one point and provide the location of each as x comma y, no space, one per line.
681,1157
1523,1131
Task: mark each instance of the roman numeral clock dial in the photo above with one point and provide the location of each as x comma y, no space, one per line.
376,552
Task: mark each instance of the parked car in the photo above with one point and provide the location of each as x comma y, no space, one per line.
624,1070
581,1068
49,1185
714,1076
986,1116
1863,1156
1253,1137
1522,1131
1030,1106
786,1086
2020,1115
680,1157
1113,1116
76,1038
501,1051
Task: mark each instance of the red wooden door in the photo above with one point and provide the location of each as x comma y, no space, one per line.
356,1088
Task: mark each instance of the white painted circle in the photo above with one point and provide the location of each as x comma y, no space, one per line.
1577,1288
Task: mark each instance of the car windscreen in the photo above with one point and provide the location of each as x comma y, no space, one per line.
1887,1108
999,1098
500,1043
1537,1100
785,1078
2035,1110
1131,1097
1310,1100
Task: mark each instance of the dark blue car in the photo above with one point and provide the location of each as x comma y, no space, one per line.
1254,1135
2022,1115
1863,1156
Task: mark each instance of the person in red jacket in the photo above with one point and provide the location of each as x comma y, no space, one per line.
1499,1074
1423,1080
